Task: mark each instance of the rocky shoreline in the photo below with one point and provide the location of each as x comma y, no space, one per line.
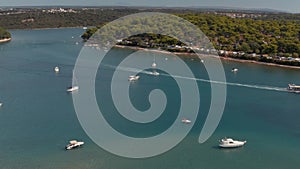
216,56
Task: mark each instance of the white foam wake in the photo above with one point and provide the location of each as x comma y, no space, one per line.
135,70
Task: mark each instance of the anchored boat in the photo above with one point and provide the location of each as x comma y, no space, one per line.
133,78
230,143
74,144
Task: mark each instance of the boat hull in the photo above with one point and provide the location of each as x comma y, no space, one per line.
230,143
73,89
233,145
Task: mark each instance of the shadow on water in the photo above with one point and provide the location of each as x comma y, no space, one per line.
228,150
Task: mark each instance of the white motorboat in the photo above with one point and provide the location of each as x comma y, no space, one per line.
186,121
56,69
72,88
133,78
1,104
74,144
75,87
293,88
230,143
155,73
234,70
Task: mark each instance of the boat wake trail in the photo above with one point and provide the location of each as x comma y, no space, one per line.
235,84
135,70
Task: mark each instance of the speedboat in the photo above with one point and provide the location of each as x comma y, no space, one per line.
155,73
74,144
293,88
234,69
72,88
133,78
186,121
56,69
230,143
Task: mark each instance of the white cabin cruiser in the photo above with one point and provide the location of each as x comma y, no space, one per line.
293,88
230,143
133,78
234,69
186,121
74,144
72,88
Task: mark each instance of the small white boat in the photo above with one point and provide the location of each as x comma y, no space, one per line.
133,78
234,70
155,73
72,88
186,121
293,88
1,104
153,65
230,143
74,144
56,69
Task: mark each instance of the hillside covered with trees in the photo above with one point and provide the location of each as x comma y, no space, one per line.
254,35
271,37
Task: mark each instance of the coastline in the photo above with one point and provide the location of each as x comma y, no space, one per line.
5,40
193,54
46,28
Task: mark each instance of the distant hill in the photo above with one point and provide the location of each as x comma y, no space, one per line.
238,9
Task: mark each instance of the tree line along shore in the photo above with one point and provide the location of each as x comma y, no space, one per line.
5,36
252,35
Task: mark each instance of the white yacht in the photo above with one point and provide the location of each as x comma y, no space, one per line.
230,143
234,70
133,78
74,144
293,88
72,88
56,69
186,121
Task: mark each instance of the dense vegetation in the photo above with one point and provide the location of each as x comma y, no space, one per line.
24,18
272,37
250,35
266,34
4,34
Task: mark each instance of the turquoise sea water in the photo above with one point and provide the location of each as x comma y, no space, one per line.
37,117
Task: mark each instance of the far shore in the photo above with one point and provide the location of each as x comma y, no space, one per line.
5,40
216,56
46,28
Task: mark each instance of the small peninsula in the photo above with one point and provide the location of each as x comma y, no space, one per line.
240,36
5,36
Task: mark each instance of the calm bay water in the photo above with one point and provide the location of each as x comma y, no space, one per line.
37,117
